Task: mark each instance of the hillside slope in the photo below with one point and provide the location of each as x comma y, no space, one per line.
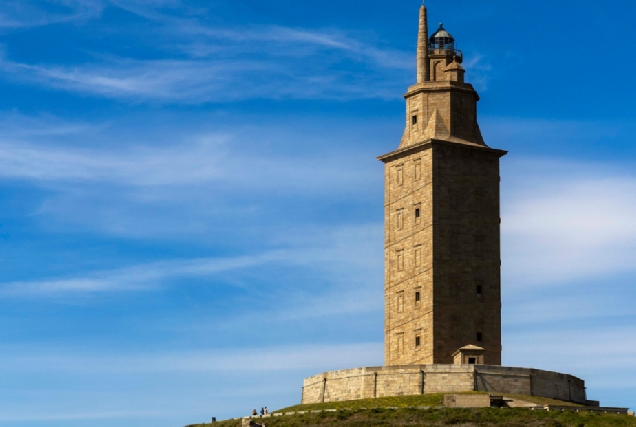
411,411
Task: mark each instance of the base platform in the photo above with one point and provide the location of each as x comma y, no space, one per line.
384,381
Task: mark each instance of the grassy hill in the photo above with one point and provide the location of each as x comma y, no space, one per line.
409,411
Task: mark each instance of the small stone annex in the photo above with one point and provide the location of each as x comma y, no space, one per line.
442,326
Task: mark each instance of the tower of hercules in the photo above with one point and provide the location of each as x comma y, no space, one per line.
442,249
442,289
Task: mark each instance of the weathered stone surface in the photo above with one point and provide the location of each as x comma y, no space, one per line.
467,400
442,246
383,381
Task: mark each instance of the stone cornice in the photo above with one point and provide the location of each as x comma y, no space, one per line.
440,87
426,144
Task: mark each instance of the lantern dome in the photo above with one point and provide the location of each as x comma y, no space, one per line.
442,39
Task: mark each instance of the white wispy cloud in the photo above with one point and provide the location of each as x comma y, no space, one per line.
140,165
608,350
209,80
140,277
181,386
303,39
81,416
173,182
589,304
201,39
27,13
479,69
274,358
199,63
568,222
53,151
341,255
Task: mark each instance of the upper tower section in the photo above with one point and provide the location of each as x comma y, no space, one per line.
440,105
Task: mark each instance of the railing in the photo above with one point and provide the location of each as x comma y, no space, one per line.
437,51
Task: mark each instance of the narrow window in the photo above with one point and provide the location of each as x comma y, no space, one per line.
418,297
418,213
414,120
399,217
400,260
399,174
418,255
479,290
400,302
479,337
400,343
417,341
418,169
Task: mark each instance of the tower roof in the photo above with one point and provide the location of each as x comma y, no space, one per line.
442,40
441,33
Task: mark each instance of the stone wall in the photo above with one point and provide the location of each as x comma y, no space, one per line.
442,253
383,381
467,400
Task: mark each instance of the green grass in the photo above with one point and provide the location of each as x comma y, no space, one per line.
352,413
458,417
541,400
433,399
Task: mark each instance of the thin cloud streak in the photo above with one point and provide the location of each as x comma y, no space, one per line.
569,222
342,256
221,64
106,415
25,13
278,35
172,183
135,166
229,64
196,36
283,358
56,156
137,278
610,348
587,305
199,81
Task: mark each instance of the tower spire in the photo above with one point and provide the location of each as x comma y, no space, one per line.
423,74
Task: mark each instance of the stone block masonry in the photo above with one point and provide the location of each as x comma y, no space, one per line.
467,400
385,381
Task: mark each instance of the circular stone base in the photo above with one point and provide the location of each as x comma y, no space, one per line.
405,380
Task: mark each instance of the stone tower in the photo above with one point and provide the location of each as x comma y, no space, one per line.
442,249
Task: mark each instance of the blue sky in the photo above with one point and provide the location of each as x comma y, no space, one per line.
191,209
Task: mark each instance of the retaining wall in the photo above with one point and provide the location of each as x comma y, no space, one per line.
382,381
